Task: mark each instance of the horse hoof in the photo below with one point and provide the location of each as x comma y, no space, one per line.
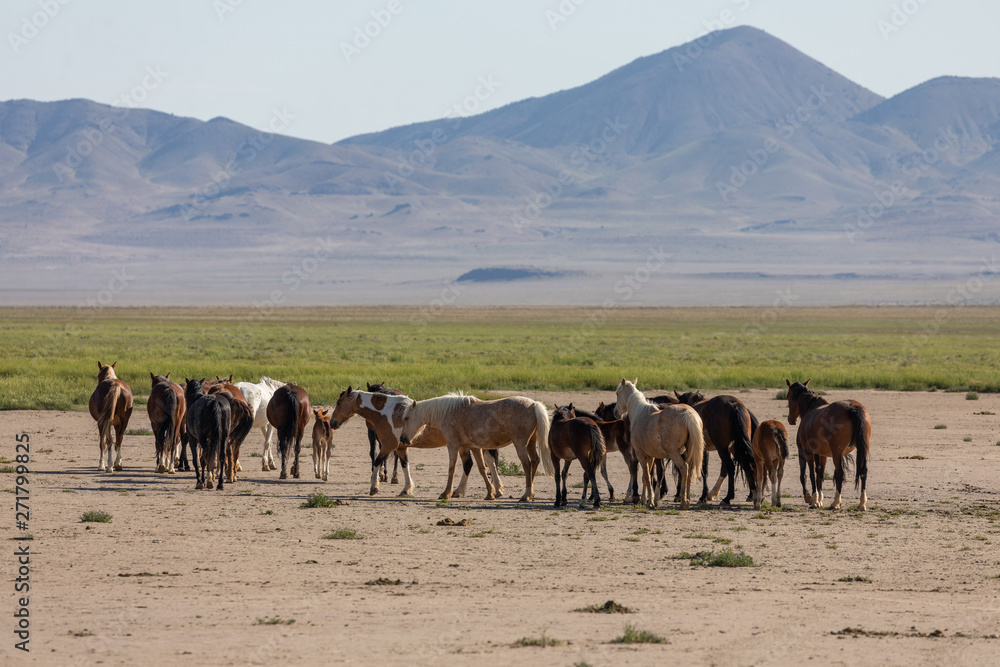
373,491
199,486
239,468
395,480
118,467
405,494
324,477
724,503
685,506
264,467
271,466
283,475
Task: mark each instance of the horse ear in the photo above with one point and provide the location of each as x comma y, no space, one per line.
806,383
572,407
636,382
168,376
230,378
788,383
116,363
676,394
99,365
151,376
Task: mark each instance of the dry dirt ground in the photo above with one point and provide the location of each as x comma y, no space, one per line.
244,576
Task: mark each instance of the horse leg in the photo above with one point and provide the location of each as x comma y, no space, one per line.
775,470
820,475
685,483
704,480
327,451
604,474
403,458
645,464
477,456
528,462
838,480
283,445
632,493
317,446
560,479
802,476
758,493
452,459
494,456
467,462
395,470
587,474
728,471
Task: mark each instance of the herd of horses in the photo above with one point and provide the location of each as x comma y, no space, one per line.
210,419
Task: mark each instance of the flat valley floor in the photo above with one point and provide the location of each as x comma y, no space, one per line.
245,576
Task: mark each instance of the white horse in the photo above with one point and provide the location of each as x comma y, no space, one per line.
258,395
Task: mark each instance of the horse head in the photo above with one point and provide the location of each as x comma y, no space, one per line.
795,391
106,372
344,408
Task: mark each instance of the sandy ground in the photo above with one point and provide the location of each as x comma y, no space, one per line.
186,577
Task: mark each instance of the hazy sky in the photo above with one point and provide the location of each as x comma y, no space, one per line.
244,58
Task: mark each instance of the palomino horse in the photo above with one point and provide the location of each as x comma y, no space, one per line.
322,441
572,437
829,430
469,422
609,413
166,408
209,421
110,406
727,427
242,417
669,431
288,412
770,449
257,397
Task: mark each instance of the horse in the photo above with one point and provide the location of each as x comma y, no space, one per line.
469,422
209,421
727,427
615,432
609,413
668,431
110,406
572,437
166,408
829,430
322,442
288,413
373,443
257,396
770,450
243,418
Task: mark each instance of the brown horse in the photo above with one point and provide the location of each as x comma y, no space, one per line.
322,443
288,412
110,406
166,408
770,450
572,437
829,430
242,421
727,428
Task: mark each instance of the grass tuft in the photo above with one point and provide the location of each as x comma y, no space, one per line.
509,469
543,642
318,499
724,558
95,516
342,534
633,635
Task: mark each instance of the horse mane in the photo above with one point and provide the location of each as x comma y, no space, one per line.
637,404
273,384
812,398
436,410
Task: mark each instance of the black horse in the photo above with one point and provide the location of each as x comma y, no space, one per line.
208,423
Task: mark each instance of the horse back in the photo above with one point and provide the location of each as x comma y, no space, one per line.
827,430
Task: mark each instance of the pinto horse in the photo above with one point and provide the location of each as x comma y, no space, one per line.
166,408
770,450
257,396
572,437
473,424
110,406
288,412
322,442
669,431
374,446
209,420
727,427
829,430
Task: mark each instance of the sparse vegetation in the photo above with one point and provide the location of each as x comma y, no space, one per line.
342,534
633,635
725,558
939,427
275,621
509,469
609,607
138,431
544,641
95,516
318,499
972,396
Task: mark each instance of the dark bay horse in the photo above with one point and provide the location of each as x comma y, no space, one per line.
615,432
110,406
209,420
242,420
166,408
579,438
288,412
829,430
727,426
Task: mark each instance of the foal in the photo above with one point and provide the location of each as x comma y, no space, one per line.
770,450
322,443
572,437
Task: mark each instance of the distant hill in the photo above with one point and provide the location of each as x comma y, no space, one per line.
752,165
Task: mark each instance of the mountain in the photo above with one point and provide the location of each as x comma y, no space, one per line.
752,166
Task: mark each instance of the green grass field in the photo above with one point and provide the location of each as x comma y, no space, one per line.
48,356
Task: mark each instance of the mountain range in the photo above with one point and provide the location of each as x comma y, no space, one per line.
748,171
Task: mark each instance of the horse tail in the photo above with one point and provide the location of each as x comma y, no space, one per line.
108,411
696,443
542,437
598,448
169,427
754,423
742,449
243,424
286,430
782,440
859,435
